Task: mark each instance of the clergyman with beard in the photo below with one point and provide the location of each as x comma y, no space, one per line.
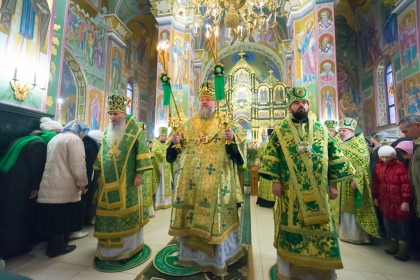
304,163
358,219
204,210
123,158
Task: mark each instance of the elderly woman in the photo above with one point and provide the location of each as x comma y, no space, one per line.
62,184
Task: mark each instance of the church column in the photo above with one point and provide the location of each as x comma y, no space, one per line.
117,34
312,30
183,69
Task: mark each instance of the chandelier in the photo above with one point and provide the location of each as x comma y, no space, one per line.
243,17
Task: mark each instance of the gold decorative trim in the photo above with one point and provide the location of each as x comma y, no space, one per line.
143,156
205,235
115,25
310,262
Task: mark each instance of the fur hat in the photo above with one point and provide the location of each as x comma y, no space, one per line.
116,103
348,123
50,125
406,146
96,135
295,93
207,90
386,151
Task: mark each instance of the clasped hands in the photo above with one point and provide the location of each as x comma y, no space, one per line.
83,189
176,138
277,189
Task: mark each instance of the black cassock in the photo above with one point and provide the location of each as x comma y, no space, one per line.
17,211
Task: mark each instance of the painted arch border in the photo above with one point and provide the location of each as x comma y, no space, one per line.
81,85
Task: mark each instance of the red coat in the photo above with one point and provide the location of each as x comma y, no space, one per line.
391,186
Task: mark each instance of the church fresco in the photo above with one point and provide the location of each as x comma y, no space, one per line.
86,39
305,54
68,94
369,116
24,46
328,103
411,88
347,71
408,33
95,107
115,67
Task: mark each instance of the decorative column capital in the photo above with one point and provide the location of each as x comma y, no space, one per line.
116,26
162,7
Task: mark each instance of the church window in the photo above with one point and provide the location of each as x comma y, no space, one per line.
129,108
385,96
390,95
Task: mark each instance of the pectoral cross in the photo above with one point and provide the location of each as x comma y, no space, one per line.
114,151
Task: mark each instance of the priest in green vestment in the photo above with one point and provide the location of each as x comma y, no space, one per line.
204,210
122,160
358,218
332,127
304,163
163,195
266,197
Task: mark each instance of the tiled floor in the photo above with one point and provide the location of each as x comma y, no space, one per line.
361,262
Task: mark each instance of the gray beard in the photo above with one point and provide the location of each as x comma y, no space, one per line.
205,112
347,138
115,132
325,22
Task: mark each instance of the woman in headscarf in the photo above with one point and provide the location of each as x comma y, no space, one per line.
62,184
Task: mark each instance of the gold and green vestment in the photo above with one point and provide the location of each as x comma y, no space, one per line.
306,160
147,188
162,170
265,190
359,203
204,207
119,210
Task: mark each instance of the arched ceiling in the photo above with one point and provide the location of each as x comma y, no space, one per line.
346,8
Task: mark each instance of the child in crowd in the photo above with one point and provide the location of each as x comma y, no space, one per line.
392,194
405,149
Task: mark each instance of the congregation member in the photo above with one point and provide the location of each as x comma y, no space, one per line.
21,170
97,136
204,211
63,181
91,150
410,128
392,194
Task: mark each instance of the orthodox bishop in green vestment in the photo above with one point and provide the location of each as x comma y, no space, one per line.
358,218
123,158
304,162
204,209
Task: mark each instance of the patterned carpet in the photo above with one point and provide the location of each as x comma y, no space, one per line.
242,269
116,266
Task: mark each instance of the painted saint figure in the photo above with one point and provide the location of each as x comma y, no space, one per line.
95,111
306,48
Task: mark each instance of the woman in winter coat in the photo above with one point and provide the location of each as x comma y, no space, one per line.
392,194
